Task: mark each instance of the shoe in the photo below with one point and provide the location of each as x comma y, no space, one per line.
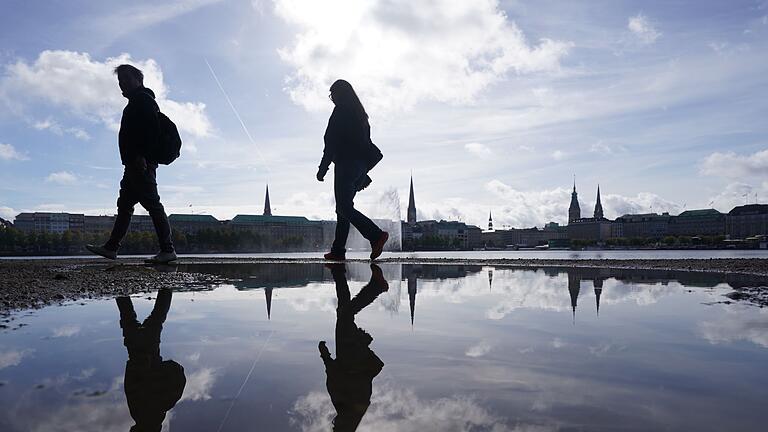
161,258
377,278
378,246
102,251
331,256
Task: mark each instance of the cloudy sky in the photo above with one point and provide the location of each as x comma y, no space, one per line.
492,105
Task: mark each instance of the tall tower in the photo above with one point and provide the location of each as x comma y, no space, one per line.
574,211
412,288
268,294
490,221
574,286
598,206
267,206
598,283
411,206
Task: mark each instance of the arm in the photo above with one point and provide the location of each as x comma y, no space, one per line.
330,138
162,306
147,126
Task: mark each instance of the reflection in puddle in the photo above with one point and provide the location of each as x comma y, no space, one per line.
473,348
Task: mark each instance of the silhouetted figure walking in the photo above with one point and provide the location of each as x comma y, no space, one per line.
152,386
138,138
350,376
348,145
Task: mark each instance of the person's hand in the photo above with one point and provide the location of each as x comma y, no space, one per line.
321,174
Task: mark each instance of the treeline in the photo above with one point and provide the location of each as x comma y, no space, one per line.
225,240
672,242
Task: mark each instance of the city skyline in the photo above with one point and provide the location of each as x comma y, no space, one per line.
661,105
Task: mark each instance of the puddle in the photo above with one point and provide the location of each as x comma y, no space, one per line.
421,348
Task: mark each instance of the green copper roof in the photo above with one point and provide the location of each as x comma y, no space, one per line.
192,218
289,220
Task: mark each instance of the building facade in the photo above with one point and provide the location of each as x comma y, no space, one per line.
705,222
646,225
747,221
44,222
192,223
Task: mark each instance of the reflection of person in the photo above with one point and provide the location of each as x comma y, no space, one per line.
139,131
152,386
350,376
348,145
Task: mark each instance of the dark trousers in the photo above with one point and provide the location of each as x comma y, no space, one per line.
140,188
345,176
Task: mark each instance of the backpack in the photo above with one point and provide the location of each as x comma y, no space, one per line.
168,143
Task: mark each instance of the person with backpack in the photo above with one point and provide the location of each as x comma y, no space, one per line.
348,145
147,137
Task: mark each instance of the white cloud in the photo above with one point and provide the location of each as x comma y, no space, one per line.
396,409
480,150
66,331
535,208
8,152
739,323
558,155
479,349
12,358
88,89
643,29
7,213
732,165
56,128
398,53
602,148
199,384
62,177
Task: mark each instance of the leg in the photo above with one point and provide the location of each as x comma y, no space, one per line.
150,200
125,203
128,319
340,238
344,191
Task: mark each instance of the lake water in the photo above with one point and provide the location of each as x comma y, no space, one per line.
486,255
419,348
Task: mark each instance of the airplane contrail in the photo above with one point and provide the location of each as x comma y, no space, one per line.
237,114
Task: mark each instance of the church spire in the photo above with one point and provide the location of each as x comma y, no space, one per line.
267,206
574,211
490,221
598,205
411,218
574,286
268,294
412,287
598,290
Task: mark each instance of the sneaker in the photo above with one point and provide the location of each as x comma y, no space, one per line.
332,256
102,251
161,258
378,246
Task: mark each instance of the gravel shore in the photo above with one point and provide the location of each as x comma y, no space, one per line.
26,284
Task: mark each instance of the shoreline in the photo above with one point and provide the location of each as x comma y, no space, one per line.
35,283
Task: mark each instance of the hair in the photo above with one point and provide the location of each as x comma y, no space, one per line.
344,95
130,70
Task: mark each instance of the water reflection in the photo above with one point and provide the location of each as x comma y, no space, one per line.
481,348
350,375
152,385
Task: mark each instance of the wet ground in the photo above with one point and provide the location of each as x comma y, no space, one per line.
417,347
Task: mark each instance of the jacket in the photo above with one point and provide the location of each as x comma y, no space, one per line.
139,127
346,138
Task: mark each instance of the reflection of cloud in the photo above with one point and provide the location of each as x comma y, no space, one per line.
395,409
605,348
12,358
479,349
558,343
740,323
66,331
199,384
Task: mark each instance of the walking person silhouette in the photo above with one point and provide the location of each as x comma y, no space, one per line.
348,145
349,377
138,140
152,385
